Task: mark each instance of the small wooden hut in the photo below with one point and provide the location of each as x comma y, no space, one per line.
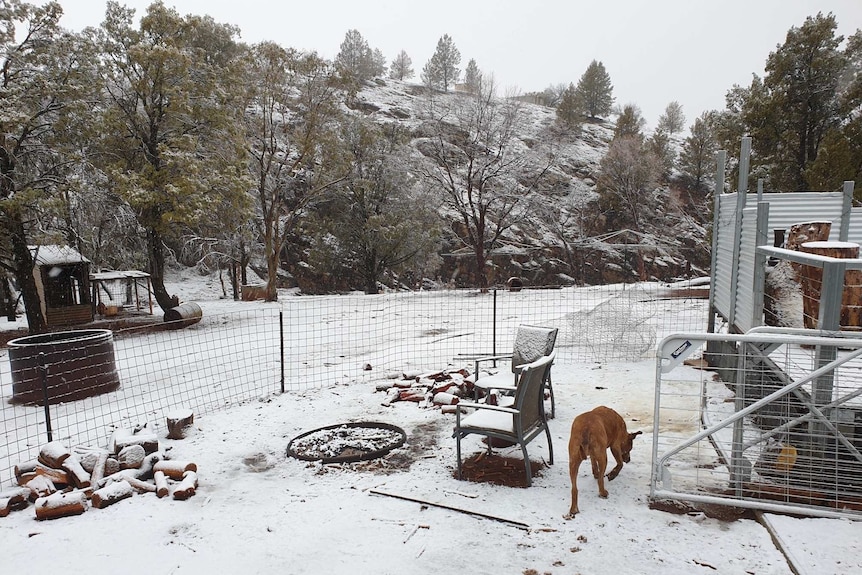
63,284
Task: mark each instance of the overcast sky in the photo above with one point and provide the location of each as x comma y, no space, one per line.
691,51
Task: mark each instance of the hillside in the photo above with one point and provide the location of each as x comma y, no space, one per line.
564,238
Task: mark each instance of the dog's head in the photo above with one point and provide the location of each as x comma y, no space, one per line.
627,446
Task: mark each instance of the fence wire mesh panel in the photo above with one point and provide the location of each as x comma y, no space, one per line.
307,342
769,420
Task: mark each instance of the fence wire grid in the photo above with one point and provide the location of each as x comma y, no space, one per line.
231,357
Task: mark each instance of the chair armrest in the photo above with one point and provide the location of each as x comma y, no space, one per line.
468,404
492,358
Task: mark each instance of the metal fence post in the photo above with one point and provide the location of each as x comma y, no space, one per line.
494,326
43,372
281,344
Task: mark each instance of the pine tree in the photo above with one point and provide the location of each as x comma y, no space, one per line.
569,112
401,67
696,156
472,77
595,91
630,123
441,71
357,61
673,120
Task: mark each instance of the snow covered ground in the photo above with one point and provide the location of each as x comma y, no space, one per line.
257,510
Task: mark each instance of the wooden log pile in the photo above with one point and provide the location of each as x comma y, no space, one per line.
443,389
61,482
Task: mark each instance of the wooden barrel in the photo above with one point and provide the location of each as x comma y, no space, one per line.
183,315
812,279
76,364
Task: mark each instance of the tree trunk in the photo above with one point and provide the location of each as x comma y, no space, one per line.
8,299
157,271
24,274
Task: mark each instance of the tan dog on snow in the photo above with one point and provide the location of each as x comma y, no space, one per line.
593,433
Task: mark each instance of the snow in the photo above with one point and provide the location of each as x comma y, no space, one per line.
256,510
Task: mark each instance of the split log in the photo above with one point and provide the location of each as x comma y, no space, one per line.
413,394
161,484
131,456
110,494
57,476
53,454
392,395
145,471
25,478
174,469
79,476
89,457
98,471
111,466
13,500
25,467
443,398
177,421
40,486
187,486
123,438
128,476
61,505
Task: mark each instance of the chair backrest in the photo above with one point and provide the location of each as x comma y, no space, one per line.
530,395
531,343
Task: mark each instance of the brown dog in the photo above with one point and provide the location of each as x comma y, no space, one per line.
593,433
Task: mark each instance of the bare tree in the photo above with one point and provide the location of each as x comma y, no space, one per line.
291,109
629,173
471,157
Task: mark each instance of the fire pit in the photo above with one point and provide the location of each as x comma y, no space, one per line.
347,442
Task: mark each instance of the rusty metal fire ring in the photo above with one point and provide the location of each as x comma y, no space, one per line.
347,442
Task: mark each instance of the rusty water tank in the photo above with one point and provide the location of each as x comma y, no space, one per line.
183,315
76,364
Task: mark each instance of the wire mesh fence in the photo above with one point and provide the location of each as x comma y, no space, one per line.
231,357
774,424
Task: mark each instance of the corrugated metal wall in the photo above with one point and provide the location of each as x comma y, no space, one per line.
785,209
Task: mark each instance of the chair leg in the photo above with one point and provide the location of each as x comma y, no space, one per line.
550,446
551,391
527,464
458,453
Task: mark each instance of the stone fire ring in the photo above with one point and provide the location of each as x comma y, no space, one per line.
347,442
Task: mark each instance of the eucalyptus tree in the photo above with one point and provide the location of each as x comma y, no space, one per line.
172,141
292,107
43,89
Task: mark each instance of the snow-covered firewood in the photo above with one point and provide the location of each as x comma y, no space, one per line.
13,499
53,454
186,488
25,467
61,505
443,398
131,456
79,476
177,421
111,493
174,469
111,466
123,438
40,486
98,471
161,484
57,476
128,475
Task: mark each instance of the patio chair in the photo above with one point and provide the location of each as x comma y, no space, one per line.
518,424
531,343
